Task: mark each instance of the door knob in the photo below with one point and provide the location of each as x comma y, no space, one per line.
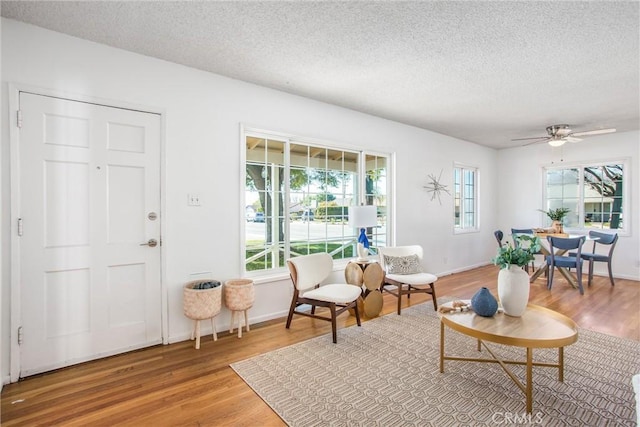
151,243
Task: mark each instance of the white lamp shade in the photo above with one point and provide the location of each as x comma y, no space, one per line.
363,216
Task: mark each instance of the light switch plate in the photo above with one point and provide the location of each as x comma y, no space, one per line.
193,200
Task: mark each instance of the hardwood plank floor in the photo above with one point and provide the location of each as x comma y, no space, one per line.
178,385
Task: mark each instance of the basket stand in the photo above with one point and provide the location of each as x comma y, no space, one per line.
239,295
201,304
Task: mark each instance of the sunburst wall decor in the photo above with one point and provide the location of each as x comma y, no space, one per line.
435,187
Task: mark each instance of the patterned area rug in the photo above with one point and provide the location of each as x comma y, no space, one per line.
386,373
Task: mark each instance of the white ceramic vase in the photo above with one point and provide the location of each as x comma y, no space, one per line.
513,290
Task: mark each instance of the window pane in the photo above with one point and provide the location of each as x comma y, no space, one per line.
313,186
376,195
563,192
603,189
457,183
464,201
321,189
594,195
264,236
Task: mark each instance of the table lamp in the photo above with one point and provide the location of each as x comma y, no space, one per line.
363,217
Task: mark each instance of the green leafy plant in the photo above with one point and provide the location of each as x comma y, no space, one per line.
556,214
520,254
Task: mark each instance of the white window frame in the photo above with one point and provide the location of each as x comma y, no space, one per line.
626,193
245,131
461,229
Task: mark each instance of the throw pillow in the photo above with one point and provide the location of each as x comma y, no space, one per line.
409,264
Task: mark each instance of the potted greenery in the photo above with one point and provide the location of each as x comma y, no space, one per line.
513,281
556,216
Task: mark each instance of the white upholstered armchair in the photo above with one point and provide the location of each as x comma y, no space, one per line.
307,273
403,271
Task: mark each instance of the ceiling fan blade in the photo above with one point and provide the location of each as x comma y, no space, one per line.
525,139
593,132
571,138
538,141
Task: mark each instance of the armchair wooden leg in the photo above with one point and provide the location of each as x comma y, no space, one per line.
292,308
332,307
590,272
399,299
433,296
356,312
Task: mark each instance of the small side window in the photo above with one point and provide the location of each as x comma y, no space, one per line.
465,206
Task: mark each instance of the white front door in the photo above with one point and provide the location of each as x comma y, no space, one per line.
89,199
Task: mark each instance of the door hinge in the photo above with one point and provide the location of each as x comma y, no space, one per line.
20,336
19,118
20,228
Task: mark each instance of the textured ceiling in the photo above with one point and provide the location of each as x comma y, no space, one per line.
485,72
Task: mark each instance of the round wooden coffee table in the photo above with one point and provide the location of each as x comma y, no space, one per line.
538,327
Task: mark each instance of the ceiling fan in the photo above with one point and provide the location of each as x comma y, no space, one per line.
559,134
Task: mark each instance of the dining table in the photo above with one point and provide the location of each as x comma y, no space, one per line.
544,249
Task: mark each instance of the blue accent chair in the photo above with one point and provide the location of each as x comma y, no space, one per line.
575,261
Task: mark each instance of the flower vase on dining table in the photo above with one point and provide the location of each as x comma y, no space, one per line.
513,290
557,227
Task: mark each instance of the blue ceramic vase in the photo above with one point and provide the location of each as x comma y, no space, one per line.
483,303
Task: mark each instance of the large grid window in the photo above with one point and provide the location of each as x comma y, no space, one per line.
593,193
465,206
297,198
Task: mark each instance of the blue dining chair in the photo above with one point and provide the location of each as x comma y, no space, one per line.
609,239
522,231
570,261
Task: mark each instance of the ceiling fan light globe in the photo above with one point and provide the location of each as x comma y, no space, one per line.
556,142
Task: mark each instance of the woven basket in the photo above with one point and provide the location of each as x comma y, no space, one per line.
239,294
200,304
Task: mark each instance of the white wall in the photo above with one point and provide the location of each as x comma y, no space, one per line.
203,113
520,184
2,239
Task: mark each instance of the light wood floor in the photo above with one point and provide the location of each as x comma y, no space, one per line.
178,385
